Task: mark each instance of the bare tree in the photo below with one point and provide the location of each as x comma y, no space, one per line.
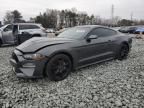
13,17
16,16
69,18
8,18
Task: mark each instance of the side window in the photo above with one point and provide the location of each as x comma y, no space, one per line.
34,27
8,28
103,32
22,27
110,32
25,27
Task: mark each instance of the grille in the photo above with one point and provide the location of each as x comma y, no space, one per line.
14,57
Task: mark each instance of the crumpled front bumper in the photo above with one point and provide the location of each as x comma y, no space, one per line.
26,68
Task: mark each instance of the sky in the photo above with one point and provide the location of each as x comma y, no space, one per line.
31,8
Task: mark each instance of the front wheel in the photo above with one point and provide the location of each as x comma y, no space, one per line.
123,53
36,35
0,43
59,67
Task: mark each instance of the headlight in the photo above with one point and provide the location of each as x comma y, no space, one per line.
34,56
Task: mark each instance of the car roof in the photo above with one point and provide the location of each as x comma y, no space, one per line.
26,24
92,26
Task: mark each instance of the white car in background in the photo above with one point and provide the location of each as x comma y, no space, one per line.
60,31
50,30
20,32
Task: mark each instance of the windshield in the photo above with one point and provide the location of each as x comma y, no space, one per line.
75,33
3,27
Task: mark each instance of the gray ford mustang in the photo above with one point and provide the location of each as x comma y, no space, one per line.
74,48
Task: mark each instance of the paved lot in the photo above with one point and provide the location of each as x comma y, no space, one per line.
110,84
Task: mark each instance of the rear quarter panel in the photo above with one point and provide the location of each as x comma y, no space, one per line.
123,38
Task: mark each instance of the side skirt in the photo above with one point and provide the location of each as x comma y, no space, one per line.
97,62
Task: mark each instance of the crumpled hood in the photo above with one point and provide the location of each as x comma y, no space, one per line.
36,43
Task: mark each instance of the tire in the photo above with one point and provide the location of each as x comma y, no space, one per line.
123,53
59,67
36,35
0,43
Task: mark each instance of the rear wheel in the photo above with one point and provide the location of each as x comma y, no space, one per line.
124,51
59,67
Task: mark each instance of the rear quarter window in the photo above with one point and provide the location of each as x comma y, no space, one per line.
103,32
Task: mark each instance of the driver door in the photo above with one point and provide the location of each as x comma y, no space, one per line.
94,50
91,51
8,34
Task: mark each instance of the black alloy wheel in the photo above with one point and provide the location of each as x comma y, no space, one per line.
59,67
0,43
124,51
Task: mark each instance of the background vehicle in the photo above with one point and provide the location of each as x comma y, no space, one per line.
128,29
11,33
74,48
139,30
116,28
60,31
50,30
132,30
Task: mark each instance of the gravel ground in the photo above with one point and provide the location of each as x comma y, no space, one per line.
111,84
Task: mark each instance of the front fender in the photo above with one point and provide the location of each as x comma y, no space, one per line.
52,51
1,36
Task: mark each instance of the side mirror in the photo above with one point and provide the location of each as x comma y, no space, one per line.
91,37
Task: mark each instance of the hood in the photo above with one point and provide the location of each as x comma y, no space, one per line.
36,43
